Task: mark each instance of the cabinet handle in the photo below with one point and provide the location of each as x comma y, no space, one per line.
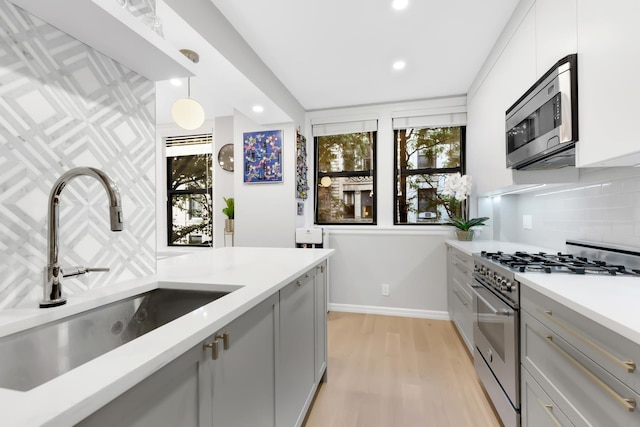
225,339
628,403
214,349
629,365
460,297
548,408
321,268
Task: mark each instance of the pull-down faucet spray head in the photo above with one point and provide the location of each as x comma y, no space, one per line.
53,272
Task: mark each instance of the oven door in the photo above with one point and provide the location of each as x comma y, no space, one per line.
495,335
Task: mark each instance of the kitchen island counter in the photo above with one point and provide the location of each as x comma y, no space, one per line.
253,274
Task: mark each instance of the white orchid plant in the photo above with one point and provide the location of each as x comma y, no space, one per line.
459,187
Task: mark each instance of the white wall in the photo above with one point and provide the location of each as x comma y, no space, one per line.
265,213
412,262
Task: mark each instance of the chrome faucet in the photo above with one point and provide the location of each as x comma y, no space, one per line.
53,272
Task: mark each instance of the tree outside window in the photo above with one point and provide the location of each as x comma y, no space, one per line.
424,158
345,178
189,211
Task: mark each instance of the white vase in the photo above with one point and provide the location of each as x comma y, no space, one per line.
465,235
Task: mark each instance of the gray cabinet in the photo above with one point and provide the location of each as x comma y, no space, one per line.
586,370
321,321
541,410
234,389
296,370
260,370
459,279
170,397
243,380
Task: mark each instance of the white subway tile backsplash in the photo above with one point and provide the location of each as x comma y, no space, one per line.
604,206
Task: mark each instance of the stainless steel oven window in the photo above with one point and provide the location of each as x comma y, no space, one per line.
492,327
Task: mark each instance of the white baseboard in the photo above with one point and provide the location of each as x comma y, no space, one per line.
390,311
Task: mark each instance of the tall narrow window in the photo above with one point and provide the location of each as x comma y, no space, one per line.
424,158
189,189
345,174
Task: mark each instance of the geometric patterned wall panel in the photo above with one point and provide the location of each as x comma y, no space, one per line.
63,105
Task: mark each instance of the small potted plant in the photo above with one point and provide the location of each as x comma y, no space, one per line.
229,212
460,188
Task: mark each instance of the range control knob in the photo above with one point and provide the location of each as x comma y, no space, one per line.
503,285
509,286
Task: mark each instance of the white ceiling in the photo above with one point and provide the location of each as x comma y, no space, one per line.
337,53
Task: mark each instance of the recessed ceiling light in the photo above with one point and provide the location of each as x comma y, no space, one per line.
399,4
258,108
399,65
176,82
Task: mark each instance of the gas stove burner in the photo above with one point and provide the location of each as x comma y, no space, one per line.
556,263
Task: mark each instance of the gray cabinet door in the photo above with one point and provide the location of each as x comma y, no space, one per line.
321,321
538,409
296,367
244,373
459,299
170,397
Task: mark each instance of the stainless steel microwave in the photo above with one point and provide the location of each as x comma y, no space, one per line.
542,126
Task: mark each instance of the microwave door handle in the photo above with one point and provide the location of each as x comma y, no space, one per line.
494,310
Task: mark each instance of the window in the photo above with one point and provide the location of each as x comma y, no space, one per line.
424,158
345,174
189,189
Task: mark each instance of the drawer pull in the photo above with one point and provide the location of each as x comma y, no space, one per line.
225,339
465,303
629,365
548,409
214,349
628,403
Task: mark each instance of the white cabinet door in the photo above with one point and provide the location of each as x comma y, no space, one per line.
556,32
296,365
243,375
511,76
608,84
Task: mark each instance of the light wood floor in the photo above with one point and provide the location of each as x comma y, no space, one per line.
386,371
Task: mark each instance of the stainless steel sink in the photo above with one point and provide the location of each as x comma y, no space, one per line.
37,355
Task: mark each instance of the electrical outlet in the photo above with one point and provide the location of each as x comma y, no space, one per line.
385,290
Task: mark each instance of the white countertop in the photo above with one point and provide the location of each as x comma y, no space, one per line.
612,301
252,273
473,246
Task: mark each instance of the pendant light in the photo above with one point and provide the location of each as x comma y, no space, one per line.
187,112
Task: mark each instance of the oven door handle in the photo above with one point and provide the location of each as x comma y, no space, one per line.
502,312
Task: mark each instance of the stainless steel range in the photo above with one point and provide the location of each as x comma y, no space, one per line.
496,301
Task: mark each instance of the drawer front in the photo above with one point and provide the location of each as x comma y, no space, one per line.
587,394
538,409
613,352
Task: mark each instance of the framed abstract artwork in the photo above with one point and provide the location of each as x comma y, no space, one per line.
262,156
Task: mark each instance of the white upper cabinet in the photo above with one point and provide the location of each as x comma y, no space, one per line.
556,33
608,83
114,32
510,77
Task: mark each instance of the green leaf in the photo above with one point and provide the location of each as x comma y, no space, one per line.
466,225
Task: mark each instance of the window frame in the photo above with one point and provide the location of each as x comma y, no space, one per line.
208,191
348,174
425,171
